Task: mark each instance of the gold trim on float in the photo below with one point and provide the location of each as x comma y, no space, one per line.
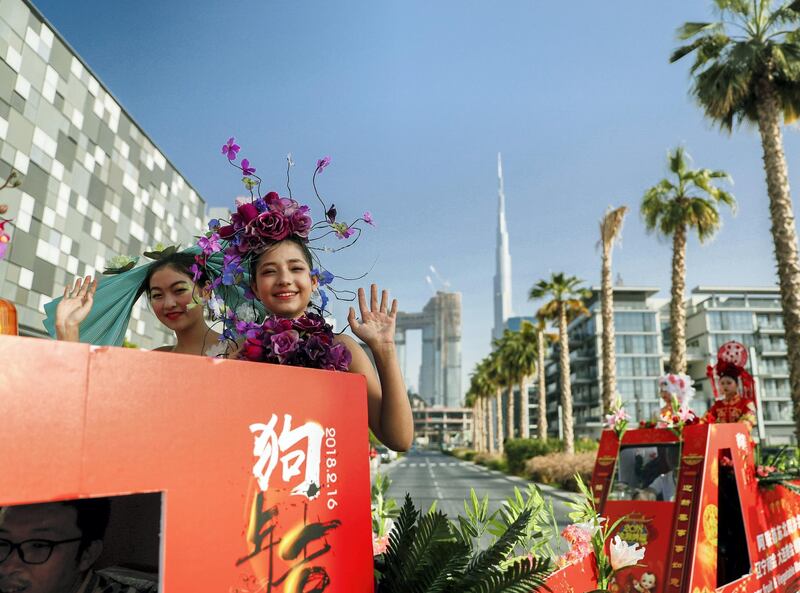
693,459
607,460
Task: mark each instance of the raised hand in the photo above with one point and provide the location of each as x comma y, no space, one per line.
74,307
376,326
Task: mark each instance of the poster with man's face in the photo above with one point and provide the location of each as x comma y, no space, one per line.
257,474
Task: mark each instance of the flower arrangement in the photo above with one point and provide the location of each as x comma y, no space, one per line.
258,222
591,527
778,468
677,418
384,512
618,419
306,341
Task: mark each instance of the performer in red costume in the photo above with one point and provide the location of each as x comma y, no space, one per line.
731,405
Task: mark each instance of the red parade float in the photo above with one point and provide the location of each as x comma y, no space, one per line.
716,529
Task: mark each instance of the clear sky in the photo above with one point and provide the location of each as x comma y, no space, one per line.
413,99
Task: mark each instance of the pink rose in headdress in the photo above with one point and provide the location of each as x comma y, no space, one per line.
285,344
269,225
244,214
285,206
301,222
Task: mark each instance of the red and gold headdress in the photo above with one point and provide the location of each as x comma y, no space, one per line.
731,361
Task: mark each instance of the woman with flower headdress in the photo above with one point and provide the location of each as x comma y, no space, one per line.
732,406
677,391
267,250
172,291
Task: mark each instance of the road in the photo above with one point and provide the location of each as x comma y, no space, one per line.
431,475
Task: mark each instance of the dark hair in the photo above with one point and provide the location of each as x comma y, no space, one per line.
180,262
93,515
307,255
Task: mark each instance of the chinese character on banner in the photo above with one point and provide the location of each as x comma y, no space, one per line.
270,448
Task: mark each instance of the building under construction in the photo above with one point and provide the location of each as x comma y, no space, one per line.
440,371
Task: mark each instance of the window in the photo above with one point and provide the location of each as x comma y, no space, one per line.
776,366
776,388
634,366
646,472
634,322
730,320
636,344
778,411
769,321
773,343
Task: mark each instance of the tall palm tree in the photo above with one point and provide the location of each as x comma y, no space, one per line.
508,368
566,301
472,400
542,337
481,389
673,209
525,354
610,229
497,378
746,69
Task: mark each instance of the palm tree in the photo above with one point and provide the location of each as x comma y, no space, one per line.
746,69
566,303
610,228
542,336
480,390
497,378
507,362
524,356
472,400
673,209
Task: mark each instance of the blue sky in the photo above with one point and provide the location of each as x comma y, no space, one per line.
413,100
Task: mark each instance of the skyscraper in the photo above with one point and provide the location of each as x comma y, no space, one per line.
502,275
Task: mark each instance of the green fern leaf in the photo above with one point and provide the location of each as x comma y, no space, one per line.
485,563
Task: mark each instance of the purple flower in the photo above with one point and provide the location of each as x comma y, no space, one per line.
268,225
309,323
244,214
339,358
323,295
316,349
197,271
210,244
322,163
260,204
300,222
230,149
323,276
246,168
285,344
368,218
276,325
213,224
342,230
231,270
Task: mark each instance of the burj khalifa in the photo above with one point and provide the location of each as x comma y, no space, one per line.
502,275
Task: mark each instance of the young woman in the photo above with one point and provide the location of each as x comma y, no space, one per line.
730,370
281,279
173,297
732,407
